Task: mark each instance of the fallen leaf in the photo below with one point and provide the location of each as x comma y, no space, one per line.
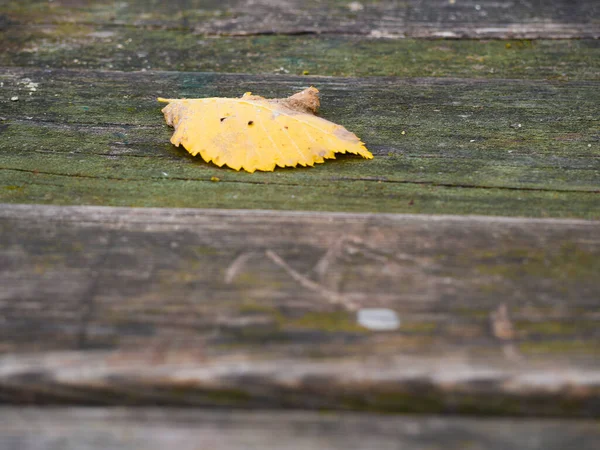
255,133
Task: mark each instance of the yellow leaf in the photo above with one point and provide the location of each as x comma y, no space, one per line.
255,133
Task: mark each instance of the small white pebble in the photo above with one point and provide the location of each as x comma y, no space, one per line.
477,7
378,319
589,145
355,6
165,174
14,98
472,140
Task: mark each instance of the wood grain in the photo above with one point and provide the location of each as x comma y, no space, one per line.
451,146
155,429
128,49
258,309
415,18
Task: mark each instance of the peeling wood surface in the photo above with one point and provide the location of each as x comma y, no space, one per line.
415,18
259,309
457,146
155,429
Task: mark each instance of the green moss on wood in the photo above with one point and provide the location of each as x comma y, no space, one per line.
91,138
84,47
327,321
349,197
570,263
425,398
419,327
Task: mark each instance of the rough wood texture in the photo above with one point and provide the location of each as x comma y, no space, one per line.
258,309
501,147
153,429
115,48
414,18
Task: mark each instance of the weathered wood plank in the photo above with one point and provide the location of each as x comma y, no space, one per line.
154,429
114,48
413,18
261,309
441,145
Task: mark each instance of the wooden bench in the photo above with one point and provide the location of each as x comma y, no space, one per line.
151,300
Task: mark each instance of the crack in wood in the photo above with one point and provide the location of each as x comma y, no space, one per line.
374,180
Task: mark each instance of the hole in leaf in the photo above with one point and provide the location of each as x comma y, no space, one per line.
250,123
223,118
